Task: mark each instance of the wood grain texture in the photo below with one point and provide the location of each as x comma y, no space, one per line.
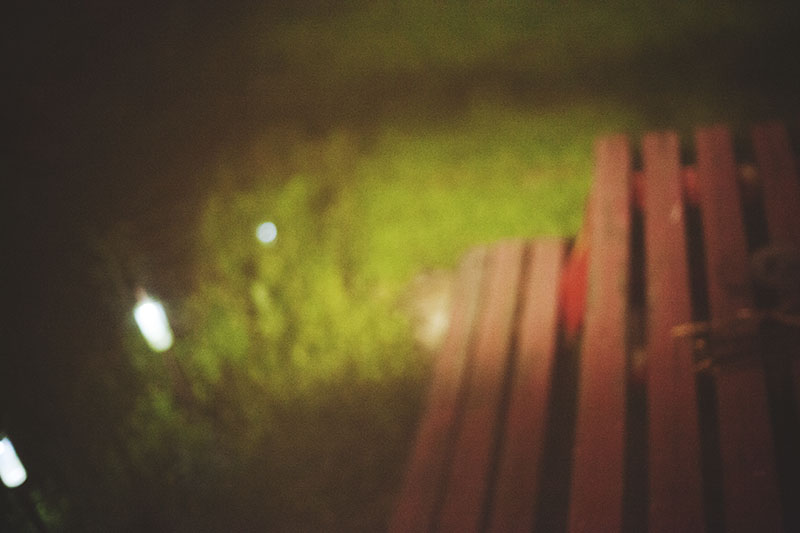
597,476
676,497
466,489
751,499
517,482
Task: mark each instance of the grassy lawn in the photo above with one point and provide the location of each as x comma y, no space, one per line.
383,142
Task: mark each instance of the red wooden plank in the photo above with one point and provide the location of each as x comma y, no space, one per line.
597,477
465,493
676,496
748,465
424,475
778,170
517,482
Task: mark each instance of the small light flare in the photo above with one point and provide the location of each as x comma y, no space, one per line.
267,232
12,472
152,321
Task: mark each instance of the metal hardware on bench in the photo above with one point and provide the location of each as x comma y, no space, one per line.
718,343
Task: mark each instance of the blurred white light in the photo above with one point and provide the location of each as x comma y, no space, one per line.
267,232
153,323
11,470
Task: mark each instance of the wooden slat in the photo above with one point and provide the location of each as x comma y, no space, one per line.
676,497
597,477
517,482
465,493
424,474
781,194
778,170
751,500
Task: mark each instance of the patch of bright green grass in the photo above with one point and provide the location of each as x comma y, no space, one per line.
499,173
